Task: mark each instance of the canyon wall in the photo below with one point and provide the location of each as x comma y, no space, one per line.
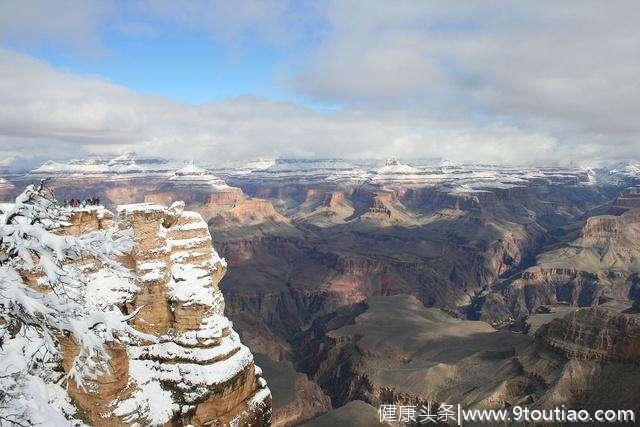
596,333
600,265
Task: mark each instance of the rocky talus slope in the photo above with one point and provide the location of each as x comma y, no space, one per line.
193,369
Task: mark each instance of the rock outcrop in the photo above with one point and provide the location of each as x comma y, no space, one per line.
192,369
325,208
596,333
628,199
251,212
586,359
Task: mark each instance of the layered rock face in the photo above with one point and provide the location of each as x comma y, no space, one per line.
195,370
197,187
587,359
116,180
597,333
600,265
629,199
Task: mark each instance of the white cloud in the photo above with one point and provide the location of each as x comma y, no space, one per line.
77,26
569,69
42,107
71,24
527,81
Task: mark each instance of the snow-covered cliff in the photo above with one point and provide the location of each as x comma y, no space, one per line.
186,366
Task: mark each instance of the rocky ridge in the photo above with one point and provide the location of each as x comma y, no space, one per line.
129,178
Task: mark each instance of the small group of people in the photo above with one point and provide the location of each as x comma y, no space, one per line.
89,201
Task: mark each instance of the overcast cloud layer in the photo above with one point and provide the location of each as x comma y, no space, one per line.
509,82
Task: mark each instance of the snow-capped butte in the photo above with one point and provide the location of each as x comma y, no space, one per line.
259,164
192,176
393,167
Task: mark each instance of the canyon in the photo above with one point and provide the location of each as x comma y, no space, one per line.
361,283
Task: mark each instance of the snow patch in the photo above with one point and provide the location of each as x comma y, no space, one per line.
106,287
191,285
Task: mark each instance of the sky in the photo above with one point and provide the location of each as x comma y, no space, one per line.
514,82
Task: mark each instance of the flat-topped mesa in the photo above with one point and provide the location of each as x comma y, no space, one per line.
195,371
609,229
249,212
195,185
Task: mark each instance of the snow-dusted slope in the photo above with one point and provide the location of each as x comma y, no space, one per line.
625,172
449,175
128,164
303,171
446,174
395,172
